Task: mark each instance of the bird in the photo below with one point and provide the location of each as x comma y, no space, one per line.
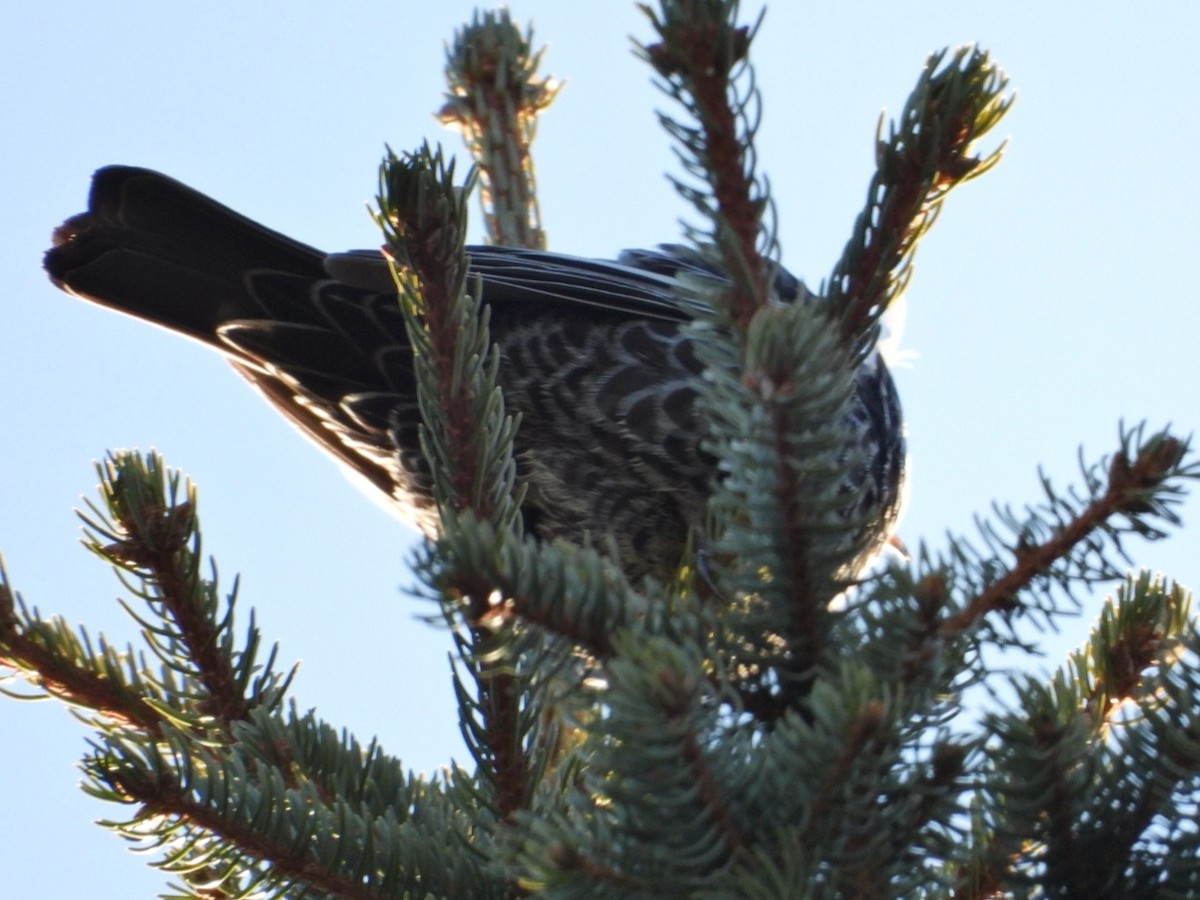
595,356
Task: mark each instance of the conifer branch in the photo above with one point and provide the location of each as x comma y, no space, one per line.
147,533
289,864
1134,490
913,628
423,216
777,391
651,768
467,436
1141,629
494,98
1079,783
568,591
54,660
344,821
152,536
927,154
863,731
701,58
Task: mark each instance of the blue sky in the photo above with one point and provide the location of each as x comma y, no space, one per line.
1054,298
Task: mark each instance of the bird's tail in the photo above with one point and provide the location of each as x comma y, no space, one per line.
151,247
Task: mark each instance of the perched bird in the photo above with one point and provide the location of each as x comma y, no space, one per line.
593,355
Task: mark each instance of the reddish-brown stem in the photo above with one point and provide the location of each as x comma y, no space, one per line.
73,684
285,857
1126,483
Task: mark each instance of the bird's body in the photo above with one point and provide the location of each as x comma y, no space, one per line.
593,355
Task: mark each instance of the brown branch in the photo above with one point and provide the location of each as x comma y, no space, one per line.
805,609
571,629
171,800
1128,483
570,859
72,684
499,700
711,795
948,111
90,690
424,219
864,731
914,197
157,547
982,883
499,690
439,295
699,50
1059,814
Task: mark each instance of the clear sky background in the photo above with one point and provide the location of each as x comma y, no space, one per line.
1054,298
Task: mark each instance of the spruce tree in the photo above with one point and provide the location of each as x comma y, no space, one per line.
769,723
